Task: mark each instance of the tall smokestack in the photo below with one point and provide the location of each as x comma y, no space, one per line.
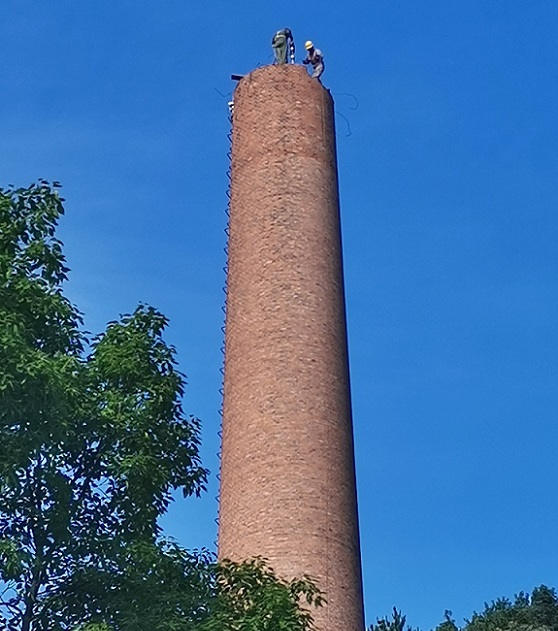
287,463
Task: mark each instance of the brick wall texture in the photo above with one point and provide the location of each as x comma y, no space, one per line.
287,464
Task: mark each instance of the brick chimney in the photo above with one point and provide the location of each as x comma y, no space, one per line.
287,462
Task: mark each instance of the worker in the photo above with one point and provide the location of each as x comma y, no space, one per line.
315,58
282,40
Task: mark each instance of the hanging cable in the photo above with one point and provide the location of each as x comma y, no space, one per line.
224,306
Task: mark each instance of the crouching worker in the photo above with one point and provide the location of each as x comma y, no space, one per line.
315,58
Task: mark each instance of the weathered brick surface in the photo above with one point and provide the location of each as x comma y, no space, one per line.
287,468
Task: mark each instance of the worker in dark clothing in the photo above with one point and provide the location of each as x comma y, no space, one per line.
315,58
283,40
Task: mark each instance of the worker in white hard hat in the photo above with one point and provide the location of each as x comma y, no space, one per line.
282,40
315,58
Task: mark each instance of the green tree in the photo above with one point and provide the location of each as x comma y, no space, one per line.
249,597
448,624
395,623
538,611
93,442
535,612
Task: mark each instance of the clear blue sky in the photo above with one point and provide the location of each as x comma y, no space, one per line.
449,194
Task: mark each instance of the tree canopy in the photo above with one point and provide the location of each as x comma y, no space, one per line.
537,611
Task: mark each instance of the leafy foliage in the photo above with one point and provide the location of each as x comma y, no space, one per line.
525,613
165,588
92,435
251,598
535,612
93,441
396,623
